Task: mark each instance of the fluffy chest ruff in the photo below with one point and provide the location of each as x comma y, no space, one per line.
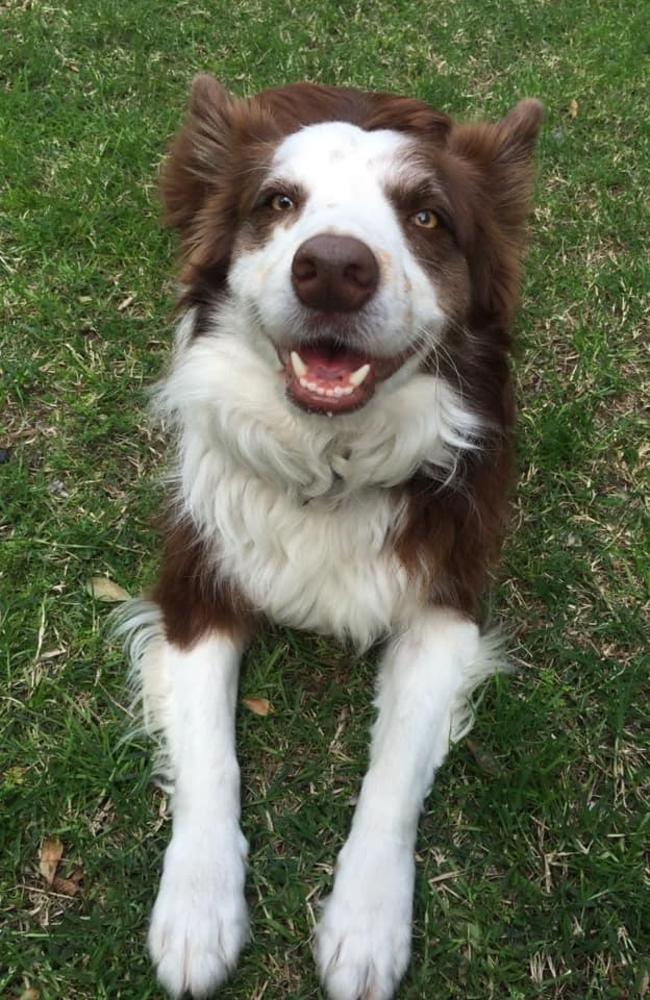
298,512
317,564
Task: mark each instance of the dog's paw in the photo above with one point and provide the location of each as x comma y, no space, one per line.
363,938
199,922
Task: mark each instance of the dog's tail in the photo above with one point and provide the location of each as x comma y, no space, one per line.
138,626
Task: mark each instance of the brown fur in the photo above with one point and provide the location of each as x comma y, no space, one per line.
193,601
452,533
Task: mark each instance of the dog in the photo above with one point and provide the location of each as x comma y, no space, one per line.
342,406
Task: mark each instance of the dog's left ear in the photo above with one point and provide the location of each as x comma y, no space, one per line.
512,171
503,152
520,128
500,157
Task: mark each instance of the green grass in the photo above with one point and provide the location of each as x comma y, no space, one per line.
530,877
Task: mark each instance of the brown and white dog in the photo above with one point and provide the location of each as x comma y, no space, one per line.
341,395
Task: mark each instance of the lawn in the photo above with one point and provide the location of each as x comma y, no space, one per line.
531,850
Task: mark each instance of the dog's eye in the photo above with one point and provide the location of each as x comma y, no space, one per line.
281,203
425,219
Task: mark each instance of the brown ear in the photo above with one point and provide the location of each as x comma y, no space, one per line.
503,152
512,171
198,152
520,127
500,157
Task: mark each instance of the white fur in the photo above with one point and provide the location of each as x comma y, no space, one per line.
199,923
363,937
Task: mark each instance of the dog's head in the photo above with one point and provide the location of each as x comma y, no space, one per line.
356,231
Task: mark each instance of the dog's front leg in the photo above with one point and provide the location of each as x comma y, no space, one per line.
363,938
199,922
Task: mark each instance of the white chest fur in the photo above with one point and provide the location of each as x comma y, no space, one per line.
300,507
315,565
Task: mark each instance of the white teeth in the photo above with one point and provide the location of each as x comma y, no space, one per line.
298,365
320,390
356,378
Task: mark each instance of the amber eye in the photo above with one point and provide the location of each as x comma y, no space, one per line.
425,219
281,203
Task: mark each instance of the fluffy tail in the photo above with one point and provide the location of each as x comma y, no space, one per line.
138,625
491,660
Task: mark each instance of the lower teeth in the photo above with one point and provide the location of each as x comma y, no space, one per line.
327,393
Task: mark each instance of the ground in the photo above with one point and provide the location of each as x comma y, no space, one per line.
530,855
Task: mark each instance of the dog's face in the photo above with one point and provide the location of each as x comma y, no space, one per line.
356,247
328,260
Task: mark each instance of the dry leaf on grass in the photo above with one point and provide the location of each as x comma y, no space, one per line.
71,885
30,994
483,758
259,706
574,107
51,854
103,589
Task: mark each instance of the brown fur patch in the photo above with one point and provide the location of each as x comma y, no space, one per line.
455,531
193,598
262,219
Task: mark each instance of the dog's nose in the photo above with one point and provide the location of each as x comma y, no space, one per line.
334,273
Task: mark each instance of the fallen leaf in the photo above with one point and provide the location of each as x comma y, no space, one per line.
65,887
259,706
71,885
51,854
103,589
125,303
574,107
30,994
484,759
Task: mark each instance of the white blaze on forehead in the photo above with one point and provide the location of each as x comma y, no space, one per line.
338,147
340,164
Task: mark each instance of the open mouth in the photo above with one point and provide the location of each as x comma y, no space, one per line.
322,377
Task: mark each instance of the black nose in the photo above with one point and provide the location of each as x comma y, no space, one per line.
334,273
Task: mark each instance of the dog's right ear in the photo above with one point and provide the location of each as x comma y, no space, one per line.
198,153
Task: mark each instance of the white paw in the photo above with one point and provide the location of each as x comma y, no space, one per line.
363,938
199,922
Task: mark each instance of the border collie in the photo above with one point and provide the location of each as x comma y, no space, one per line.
343,409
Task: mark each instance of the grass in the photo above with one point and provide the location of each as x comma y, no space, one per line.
531,866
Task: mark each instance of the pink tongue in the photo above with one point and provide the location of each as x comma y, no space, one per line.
330,365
